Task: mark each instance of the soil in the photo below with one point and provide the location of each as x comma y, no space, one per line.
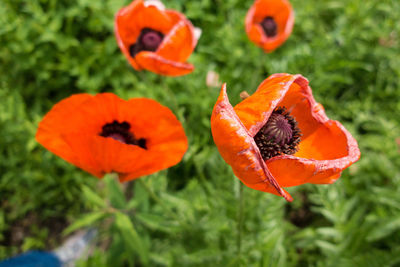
15,235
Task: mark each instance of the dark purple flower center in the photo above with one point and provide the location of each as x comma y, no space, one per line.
269,26
120,131
280,135
148,40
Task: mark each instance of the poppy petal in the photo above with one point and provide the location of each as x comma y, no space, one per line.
316,128
273,8
124,46
73,127
283,15
165,137
256,34
325,150
322,162
293,93
155,63
153,18
114,156
255,110
79,144
50,129
179,43
130,21
127,32
238,148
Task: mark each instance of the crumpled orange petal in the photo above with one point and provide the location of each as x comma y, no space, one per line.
325,150
158,64
177,45
239,150
281,11
72,130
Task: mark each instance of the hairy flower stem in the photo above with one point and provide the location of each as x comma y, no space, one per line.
115,191
243,96
162,204
240,221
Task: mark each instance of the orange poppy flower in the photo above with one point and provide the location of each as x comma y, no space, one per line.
280,137
103,133
269,23
155,39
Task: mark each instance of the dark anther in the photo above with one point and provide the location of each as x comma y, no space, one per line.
269,26
148,40
120,131
280,135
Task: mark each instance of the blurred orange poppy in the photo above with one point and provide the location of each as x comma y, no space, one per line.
103,133
281,137
269,23
155,39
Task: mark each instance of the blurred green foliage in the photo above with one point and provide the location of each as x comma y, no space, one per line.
349,50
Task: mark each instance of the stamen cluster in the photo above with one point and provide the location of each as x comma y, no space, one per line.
269,26
120,132
280,135
148,40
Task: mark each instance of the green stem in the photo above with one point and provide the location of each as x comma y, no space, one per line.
240,220
160,202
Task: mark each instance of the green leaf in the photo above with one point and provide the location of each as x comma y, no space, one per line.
131,237
115,194
84,221
157,223
384,229
92,197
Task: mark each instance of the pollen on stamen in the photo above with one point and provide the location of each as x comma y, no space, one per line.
280,135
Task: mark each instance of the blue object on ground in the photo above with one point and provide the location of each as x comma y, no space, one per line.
32,259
